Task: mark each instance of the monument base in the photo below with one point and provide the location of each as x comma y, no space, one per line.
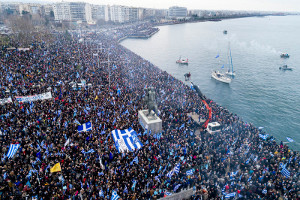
151,122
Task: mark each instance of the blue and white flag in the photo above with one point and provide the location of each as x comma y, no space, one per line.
176,187
114,196
85,127
217,56
264,137
289,139
101,194
12,150
133,185
285,172
125,189
157,179
230,195
249,179
265,191
170,174
168,193
136,160
234,173
190,172
77,122
126,140
177,168
90,151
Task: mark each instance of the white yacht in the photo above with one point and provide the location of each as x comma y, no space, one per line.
220,77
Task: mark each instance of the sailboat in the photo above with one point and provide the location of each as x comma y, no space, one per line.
230,72
222,77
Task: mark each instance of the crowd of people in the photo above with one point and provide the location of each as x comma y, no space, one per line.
235,163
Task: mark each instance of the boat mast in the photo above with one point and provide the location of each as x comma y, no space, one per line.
231,61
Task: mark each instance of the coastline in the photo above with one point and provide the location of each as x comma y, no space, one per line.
148,36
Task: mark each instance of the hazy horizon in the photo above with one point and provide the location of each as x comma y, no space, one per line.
245,5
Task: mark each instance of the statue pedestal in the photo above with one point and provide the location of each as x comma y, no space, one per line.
153,123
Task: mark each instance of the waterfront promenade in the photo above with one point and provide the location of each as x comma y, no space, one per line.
236,163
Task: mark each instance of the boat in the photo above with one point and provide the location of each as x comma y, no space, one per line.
225,32
187,76
220,77
285,67
284,55
230,72
182,61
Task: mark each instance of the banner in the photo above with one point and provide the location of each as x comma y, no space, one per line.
43,96
5,100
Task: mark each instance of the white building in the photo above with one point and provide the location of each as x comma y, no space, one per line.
100,12
72,11
177,12
62,11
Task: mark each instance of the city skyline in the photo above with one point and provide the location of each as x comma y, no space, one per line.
247,5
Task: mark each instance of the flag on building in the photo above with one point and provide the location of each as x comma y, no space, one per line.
55,168
12,150
126,140
85,127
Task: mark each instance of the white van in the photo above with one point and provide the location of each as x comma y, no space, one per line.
213,127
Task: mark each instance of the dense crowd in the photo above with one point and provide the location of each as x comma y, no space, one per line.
235,162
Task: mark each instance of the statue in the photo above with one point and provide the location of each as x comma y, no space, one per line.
150,99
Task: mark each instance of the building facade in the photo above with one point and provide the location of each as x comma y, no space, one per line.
177,12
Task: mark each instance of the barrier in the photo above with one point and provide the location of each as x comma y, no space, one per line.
184,194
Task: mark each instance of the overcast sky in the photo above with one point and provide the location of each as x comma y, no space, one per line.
261,5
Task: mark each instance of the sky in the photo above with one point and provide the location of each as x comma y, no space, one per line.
255,5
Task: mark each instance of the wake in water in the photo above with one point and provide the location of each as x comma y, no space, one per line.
253,45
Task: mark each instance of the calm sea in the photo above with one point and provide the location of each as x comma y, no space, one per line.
260,93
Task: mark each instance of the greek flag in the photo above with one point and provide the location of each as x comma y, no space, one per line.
265,191
234,173
190,172
76,122
264,137
90,151
247,161
133,184
126,140
85,127
249,179
136,160
114,196
157,179
176,187
230,195
168,193
12,150
101,194
285,172
177,168
289,139
170,174
125,189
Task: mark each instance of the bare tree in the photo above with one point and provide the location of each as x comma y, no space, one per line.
22,28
